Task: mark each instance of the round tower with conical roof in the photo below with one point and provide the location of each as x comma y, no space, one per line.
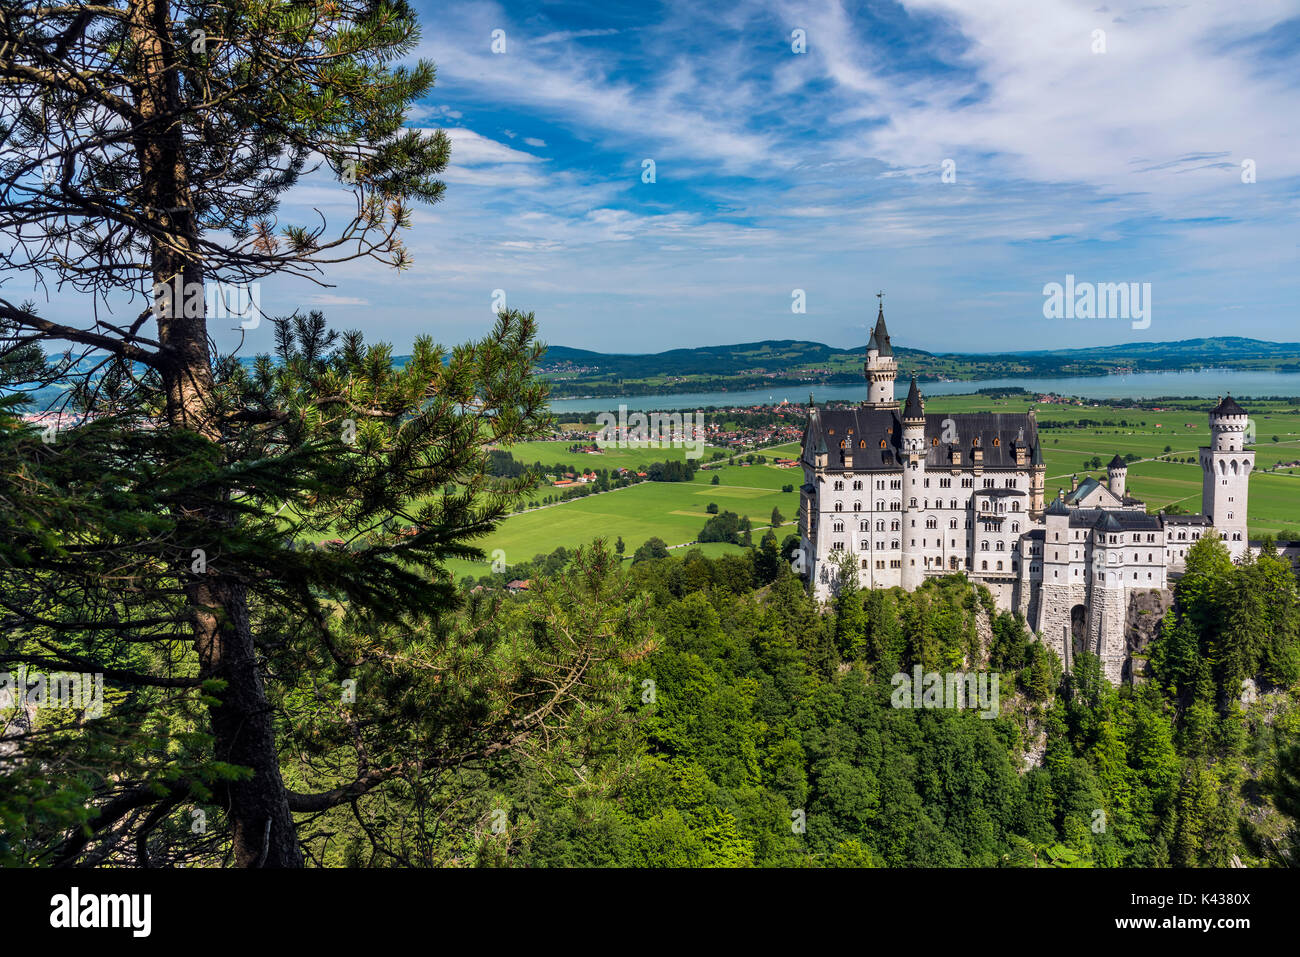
1117,477
1226,465
881,367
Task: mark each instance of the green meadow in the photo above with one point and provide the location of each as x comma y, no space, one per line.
675,511
672,511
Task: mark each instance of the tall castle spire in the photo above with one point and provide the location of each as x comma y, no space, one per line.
880,368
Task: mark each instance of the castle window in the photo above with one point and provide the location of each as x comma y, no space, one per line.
996,443
842,445
882,443
977,440
862,443
984,566
839,506
934,442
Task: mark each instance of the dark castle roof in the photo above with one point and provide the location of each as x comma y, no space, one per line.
998,435
1117,463
1108,520
880,336
1228,406
913,410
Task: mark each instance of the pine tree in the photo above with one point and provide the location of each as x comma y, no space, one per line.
147,148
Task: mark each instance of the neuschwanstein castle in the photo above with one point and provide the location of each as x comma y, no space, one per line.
910,495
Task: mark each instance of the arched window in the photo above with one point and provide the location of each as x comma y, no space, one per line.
984,566
882,443
862,444
996,443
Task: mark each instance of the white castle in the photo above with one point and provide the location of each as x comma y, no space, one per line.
910,495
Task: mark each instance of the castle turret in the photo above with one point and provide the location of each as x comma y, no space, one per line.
1226,465
1037,480
1062,591
881,367
1117,476
913,487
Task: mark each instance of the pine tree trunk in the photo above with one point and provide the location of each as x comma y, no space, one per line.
263,829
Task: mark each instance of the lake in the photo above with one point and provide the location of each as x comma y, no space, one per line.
1205,383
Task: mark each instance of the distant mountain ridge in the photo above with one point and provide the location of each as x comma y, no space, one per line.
795,358
1209,348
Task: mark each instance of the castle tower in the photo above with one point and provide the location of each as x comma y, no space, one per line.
1117,476
913,486
881,367
1107,599
1062,590
1226,465
1037,480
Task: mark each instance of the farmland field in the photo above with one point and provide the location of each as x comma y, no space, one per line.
675,511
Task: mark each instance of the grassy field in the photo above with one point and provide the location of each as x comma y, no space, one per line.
675,511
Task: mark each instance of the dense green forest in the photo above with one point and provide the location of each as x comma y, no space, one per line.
764,734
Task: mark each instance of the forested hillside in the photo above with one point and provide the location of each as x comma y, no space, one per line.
765,711
758,730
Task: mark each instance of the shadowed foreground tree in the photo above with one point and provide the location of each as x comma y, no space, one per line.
144,148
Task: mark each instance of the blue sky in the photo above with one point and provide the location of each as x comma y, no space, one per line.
821,171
